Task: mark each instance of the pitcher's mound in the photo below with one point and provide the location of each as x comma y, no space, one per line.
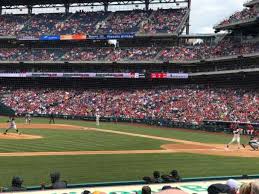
17,136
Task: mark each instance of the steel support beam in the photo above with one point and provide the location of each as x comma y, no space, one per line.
147,5
29,9
105,5
67,6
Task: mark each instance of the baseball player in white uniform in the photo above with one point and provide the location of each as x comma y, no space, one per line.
236,137
28,119
12,125
97,119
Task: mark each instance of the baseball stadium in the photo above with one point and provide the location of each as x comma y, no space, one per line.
120,97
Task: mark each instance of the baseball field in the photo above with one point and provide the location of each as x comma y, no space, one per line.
83,152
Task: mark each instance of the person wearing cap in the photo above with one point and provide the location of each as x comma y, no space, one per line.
155,179
233,185
56,183
218,188
17,184
173,177
236,137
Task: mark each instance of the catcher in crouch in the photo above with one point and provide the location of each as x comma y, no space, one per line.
253,142
12,125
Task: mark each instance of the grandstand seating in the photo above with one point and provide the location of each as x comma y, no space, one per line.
42,24
80,23
239,16
173,104
164,21
226,47
161,21
123,22
12,24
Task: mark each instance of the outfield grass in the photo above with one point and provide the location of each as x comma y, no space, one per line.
64,140
191,135
96,168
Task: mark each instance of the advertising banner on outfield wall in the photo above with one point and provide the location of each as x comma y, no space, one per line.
27,38
74,75
188,187
51,37
169,75
73,37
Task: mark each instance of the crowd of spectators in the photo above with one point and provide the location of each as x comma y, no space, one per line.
124,22
135,54
26,54
80,23
245,14
179,105
164,21
11,25
86,54
226,47
42,24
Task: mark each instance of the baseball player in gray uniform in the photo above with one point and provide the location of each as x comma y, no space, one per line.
253,143
12,125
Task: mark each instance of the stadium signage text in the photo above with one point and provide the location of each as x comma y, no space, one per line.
52,37
169,75
77,37
111,36
27,38
74,75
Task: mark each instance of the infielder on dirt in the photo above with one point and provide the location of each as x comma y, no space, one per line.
97,119
12,125
236,137
28,118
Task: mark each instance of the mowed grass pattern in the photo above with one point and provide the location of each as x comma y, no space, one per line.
65,140
190,135
100,168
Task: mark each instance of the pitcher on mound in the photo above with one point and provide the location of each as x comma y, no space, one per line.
236,137
12,125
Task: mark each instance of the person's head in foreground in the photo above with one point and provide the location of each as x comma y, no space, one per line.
245,188
218,189
233,185
254,187
146,190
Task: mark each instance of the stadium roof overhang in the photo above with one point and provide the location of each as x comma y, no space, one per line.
242,24
251,3
52,2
